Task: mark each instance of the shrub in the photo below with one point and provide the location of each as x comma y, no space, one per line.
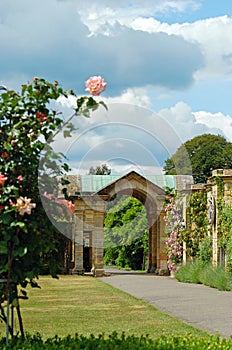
122,342
190,273
205,250
216,277
207,274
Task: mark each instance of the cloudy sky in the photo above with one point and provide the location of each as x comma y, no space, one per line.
167,64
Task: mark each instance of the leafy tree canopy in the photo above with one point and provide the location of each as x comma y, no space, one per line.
126,233
100,170
199,156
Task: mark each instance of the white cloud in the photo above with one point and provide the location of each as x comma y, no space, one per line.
213,35
216,120
183,120
135,96
130,137
98,15
60,49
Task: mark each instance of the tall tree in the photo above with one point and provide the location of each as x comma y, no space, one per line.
199,156
100,170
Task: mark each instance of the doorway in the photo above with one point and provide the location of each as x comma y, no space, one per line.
87,251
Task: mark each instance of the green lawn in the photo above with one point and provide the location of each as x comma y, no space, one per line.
85,305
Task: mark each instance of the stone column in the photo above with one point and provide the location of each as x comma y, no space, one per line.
98,240
78,242
163,270
152,222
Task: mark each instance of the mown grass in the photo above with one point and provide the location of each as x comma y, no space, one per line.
85,305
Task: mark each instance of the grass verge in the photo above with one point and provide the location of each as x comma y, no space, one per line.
84,305
207,274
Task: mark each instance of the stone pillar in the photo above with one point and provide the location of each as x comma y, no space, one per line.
163,270
152,222
98,245
98,239
78,242
152,248
214,193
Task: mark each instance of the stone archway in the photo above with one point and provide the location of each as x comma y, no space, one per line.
91,207
152,197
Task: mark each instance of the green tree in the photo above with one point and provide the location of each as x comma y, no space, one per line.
100,170
28,126
126,233
199,156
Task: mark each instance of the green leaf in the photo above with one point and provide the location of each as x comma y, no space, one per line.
64,181
103,104
66,167
66,133
21,251
3,247
18,223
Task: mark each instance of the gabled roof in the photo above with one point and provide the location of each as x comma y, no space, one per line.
90,184
133,175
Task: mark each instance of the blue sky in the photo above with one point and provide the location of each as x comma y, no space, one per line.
167,64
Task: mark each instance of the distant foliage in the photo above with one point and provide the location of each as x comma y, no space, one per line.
103,169
199,156
126,234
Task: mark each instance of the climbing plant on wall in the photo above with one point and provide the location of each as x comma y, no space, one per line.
197,223
174,242
224,222
194,232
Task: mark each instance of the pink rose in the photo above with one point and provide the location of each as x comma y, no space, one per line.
20,178
24,205
95,85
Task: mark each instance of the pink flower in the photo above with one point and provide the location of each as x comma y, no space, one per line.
24,205
3,178
67,204
71,206
95,85
49,195
20,178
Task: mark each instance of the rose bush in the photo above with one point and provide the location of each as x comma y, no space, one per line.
29,123
174,242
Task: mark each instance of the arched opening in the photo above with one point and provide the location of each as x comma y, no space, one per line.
152,197
126,233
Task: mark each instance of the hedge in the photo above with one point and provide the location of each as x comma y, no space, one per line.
115,341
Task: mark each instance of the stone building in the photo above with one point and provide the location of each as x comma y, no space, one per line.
90,194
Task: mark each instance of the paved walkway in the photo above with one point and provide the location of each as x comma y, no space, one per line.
200,306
